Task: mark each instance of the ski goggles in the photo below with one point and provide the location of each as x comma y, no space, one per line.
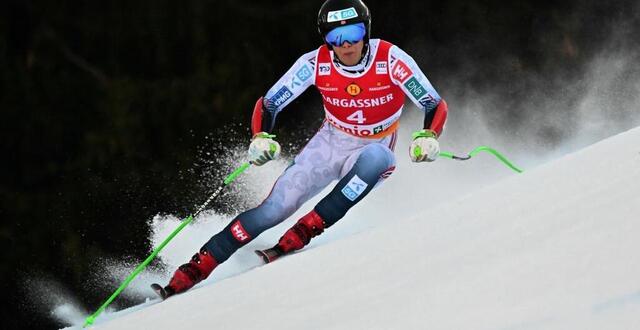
352,34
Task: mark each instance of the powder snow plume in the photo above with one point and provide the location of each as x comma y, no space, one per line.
45,295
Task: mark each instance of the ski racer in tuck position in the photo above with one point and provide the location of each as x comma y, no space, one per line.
363,83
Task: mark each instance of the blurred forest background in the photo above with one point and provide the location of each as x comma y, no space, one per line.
112,110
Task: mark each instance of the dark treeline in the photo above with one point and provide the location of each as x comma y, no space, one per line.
105,104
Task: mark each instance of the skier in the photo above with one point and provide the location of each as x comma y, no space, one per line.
363,83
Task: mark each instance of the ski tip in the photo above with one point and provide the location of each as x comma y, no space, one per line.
262,255
160,291
269,255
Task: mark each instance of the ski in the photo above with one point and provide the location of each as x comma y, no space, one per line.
160,291
269,255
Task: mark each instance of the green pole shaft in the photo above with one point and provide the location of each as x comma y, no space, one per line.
477,150
230,178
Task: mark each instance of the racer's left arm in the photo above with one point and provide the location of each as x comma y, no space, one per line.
407,75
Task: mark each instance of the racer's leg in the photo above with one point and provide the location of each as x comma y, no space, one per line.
373,164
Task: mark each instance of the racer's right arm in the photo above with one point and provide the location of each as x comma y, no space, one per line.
295,81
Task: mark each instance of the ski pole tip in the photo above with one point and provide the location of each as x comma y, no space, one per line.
89,321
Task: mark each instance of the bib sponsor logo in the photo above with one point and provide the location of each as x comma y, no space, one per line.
354,188
281,96
238,232
363,129
401,71
324,69
359,103
353,89
381,68
415,88
379,88
340,15
328,89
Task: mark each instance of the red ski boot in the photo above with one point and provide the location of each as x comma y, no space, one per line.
190,274
309,226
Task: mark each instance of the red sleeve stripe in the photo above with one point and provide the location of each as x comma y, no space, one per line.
439,117
256,118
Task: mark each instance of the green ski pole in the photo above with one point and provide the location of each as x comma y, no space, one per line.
230,178
477,150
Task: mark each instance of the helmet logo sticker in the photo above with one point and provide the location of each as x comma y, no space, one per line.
341,15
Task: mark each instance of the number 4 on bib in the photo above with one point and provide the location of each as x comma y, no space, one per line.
358,117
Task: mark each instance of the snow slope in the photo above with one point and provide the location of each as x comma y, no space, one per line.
557,247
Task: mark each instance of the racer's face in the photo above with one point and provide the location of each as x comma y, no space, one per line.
349,54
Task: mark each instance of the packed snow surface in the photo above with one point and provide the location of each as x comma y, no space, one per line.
557,247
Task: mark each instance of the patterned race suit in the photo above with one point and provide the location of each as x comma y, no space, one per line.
354,145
